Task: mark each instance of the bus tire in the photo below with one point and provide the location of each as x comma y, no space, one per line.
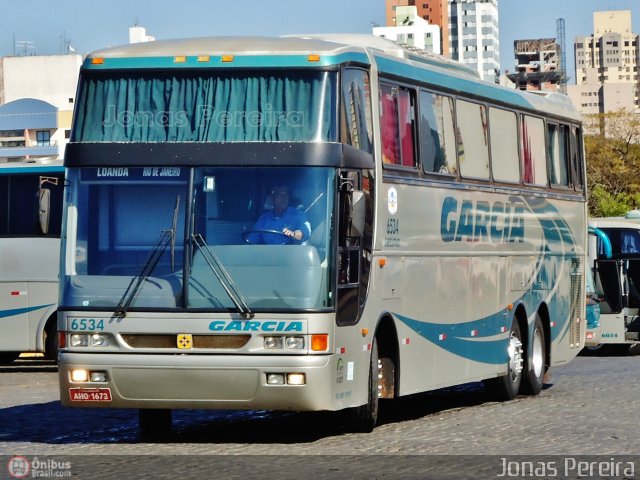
51,342
535,368
154,423
506,387
362,419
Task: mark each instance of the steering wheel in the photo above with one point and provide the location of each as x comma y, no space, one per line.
246,233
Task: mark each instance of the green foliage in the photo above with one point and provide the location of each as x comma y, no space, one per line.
613,163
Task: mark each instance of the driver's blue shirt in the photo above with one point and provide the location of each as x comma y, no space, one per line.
291,218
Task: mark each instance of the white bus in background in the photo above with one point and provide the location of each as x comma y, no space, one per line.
614,256
30,220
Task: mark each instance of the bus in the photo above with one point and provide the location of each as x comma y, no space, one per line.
614,260
31,194
176,294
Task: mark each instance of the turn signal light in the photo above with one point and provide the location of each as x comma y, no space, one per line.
319,342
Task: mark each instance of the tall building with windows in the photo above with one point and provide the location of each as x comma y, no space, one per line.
473,35
412,30
436,12
607,77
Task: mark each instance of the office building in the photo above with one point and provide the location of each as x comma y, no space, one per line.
473,35
412,30
606,65
37,97
435,12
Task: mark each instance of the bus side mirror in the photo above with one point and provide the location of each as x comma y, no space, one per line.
356,213
44,208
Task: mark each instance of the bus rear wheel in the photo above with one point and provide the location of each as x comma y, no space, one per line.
363,419
154,423
533,378
506,387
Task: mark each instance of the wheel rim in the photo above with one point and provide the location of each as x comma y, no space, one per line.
537,355
515,357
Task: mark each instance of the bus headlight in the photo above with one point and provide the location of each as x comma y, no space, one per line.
294,343
98,340
88,340
273,342
79,375
78,340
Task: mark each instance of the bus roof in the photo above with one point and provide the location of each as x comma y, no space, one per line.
322,50
38,166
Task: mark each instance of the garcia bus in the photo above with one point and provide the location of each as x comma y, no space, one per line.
446,242
30,220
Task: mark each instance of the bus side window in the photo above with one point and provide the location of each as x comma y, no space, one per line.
558,155
577,165
437,138
505,161
357,128
533,150
397,124
473,139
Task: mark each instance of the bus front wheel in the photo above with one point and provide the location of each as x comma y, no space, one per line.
362,419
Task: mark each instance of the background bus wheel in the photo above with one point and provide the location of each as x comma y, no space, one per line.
363,418
507,386
8,357
51,342
533,378
154,424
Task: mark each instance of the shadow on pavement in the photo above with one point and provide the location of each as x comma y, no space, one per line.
51,423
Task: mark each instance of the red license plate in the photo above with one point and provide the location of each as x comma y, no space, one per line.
90,394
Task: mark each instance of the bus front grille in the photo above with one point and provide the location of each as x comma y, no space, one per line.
199,341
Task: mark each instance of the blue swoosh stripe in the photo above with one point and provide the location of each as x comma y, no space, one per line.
19,311
484,351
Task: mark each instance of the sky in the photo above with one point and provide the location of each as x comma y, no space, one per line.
92,24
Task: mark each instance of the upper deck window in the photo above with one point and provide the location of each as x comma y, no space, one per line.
206,106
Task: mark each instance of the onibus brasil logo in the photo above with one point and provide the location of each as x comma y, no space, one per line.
23,467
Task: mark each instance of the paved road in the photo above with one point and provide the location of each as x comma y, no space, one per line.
590,407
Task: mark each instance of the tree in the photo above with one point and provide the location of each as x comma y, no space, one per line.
613,162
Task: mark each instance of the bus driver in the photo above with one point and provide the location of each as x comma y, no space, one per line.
290,221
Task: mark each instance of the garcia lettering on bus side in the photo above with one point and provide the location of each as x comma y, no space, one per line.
481,221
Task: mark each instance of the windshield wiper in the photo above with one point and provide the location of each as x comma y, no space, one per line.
223,276
167,237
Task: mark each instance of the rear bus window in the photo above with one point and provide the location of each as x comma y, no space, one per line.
533,151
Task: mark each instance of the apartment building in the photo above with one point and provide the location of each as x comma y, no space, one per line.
606,64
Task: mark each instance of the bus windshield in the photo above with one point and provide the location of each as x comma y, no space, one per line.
206,106
214,238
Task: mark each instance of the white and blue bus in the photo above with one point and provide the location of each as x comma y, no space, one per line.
31,196
434,232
